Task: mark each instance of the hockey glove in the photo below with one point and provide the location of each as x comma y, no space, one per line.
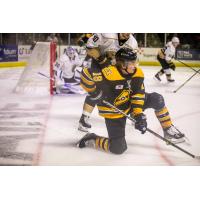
81,43
96,96
141,123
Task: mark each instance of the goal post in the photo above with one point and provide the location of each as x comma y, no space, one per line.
41,61
52,61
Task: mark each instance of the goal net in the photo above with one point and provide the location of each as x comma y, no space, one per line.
37,77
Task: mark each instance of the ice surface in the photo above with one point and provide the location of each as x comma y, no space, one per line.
37,130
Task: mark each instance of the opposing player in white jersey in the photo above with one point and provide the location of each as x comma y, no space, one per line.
101,47
165,56
68,68
107,44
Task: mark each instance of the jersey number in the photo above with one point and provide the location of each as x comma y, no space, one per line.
95,38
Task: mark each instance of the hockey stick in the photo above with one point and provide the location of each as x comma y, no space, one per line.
65,85
186,81
188,66
152,132
44,75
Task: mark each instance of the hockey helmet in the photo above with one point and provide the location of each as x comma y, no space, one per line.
126,54
175,40
126,60
70,51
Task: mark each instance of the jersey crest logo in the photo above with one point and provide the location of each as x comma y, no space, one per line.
119,87
122,98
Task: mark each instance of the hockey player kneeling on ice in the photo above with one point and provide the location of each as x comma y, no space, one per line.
122,86
165,56
101,47
67,71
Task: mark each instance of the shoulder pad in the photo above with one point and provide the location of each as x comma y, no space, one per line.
112,74
139,73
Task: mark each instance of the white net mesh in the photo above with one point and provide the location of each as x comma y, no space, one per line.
30,81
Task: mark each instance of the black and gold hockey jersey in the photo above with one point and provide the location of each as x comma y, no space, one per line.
125,92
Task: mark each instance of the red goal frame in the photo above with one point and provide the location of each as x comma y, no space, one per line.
52,61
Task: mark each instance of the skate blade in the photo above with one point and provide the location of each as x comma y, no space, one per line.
178,141
78,144
83,129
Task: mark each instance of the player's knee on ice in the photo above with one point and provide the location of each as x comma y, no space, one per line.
118,145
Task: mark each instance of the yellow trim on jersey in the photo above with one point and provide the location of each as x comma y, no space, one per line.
87,81
164,118
114,115
103,108
87,73
138,73
139,102
87,89
138,96
137,111
112,74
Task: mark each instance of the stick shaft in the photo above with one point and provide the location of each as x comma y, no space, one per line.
188,66
186,81
150,131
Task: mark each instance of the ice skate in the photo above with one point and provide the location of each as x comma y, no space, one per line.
173,135
169,78
157,77
87,140
83,123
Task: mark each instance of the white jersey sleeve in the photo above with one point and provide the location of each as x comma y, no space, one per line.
131,43
95,41
104,41
169,52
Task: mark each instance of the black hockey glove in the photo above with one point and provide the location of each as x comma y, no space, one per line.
81,43
96,96
172,66
141,123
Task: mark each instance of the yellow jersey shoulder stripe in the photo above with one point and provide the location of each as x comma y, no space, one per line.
87,73
112,74
88,82
139,73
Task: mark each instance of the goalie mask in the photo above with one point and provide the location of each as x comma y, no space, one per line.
70,51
